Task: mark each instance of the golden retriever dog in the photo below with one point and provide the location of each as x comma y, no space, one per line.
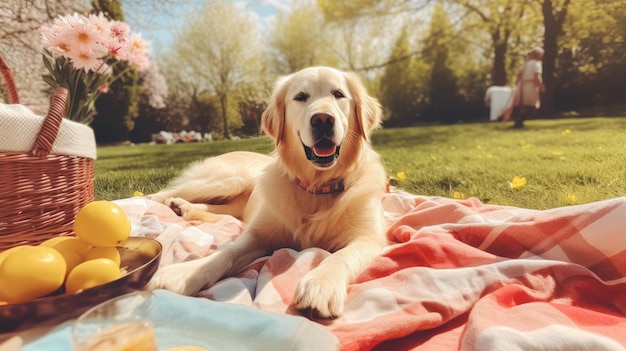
322,187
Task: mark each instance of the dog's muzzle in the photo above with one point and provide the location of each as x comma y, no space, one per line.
324,153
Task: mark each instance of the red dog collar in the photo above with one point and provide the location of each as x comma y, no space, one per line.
332,186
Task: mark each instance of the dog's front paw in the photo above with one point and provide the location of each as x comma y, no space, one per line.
157,197
178,205
181,278
323,296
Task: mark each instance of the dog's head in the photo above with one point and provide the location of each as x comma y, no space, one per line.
321,114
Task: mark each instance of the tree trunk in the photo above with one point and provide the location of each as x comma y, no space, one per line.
224,115
499,62
553,27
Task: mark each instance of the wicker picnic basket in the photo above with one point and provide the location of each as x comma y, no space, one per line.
43,182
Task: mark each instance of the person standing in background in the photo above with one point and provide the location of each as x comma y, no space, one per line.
529,86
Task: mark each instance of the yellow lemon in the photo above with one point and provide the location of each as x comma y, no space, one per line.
103,252
72,260
52,241
102,223
71,248
31,272
6,252
3,255
91,273
71,244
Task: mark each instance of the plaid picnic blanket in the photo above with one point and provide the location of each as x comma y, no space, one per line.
456,275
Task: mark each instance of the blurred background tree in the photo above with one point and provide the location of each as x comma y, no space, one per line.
20,45
218,48
428,61
296,38
119,108
403,85
152,116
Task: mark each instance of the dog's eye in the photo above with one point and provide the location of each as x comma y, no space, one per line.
301,97
337,94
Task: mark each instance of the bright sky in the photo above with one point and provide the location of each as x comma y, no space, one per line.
158,27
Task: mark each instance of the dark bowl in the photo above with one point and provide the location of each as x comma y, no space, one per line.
140,257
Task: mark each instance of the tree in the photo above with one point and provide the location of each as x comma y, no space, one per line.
302,37
151,106
296,39
403,89
360,45
217,49
174,117
438,51
502,20
340,10
591,64
252,102
554,15
203,112
366,30
20,43
182,110
118,109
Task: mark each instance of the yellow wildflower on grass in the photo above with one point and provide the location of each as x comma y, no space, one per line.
571,199
518,182
433,157
458,195
566,132
557,153
400,176
138,194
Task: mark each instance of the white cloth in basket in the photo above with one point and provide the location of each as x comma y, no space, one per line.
19,128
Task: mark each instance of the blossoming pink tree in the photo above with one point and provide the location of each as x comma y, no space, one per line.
79,54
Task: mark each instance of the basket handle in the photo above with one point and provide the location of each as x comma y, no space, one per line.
9,81
50,128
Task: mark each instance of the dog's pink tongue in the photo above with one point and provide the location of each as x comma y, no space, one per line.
324,151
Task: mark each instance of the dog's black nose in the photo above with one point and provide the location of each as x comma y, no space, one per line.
323,124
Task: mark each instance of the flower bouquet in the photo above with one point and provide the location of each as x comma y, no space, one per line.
80,53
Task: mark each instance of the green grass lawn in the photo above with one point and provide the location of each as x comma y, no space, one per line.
564,161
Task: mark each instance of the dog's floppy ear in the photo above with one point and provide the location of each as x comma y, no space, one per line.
367,109
273,118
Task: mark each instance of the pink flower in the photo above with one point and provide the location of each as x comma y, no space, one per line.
140,61
115,48
104,88
137,45
84,59
119,30
86,37
54,40
101,23
137,51
67,21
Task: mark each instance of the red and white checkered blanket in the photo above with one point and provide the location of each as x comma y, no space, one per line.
456,275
